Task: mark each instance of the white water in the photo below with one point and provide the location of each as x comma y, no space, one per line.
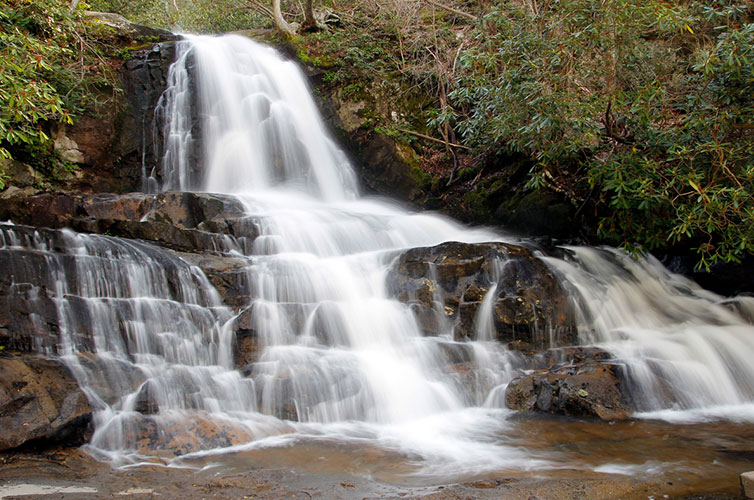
687,352
341,361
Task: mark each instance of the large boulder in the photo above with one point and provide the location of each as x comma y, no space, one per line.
40,403
585,384
449,283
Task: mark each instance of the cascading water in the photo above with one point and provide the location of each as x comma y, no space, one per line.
687,352
340,359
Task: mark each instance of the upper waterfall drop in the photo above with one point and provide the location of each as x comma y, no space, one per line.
238,118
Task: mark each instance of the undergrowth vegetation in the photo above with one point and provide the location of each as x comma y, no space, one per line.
50,71
643,109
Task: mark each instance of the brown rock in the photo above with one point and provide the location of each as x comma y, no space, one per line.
592,389
40,402
20,174
131,206
747,484
178,435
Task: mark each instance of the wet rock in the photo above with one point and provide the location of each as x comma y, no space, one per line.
53,210
170,436
229,276
191,222
747,484
449,282
131,206
44,290
29,319
146,401
246,350
562,356
188,210
585,386
114,379
40,403
137,148
163,234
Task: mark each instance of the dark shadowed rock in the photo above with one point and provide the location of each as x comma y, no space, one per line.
138,149
449,283
583,385
40,403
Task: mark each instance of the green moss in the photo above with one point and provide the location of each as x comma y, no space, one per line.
477,205
423,179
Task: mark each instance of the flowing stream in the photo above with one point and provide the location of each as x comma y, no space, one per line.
341,361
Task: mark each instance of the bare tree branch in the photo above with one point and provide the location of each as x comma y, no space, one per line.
451,9
430,138
261,8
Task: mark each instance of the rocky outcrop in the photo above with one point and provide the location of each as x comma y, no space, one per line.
113,148
40,402
181,221
385,164
124,30
138,145
448,284
584,383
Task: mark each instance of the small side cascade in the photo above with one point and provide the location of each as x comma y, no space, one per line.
685,350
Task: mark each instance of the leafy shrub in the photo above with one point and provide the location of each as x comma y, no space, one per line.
643,107
48,71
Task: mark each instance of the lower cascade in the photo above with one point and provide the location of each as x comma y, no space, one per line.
352,319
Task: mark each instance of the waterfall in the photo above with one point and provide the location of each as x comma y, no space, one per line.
325,249
341,359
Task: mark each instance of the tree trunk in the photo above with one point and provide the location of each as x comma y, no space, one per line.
310,23
280,23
